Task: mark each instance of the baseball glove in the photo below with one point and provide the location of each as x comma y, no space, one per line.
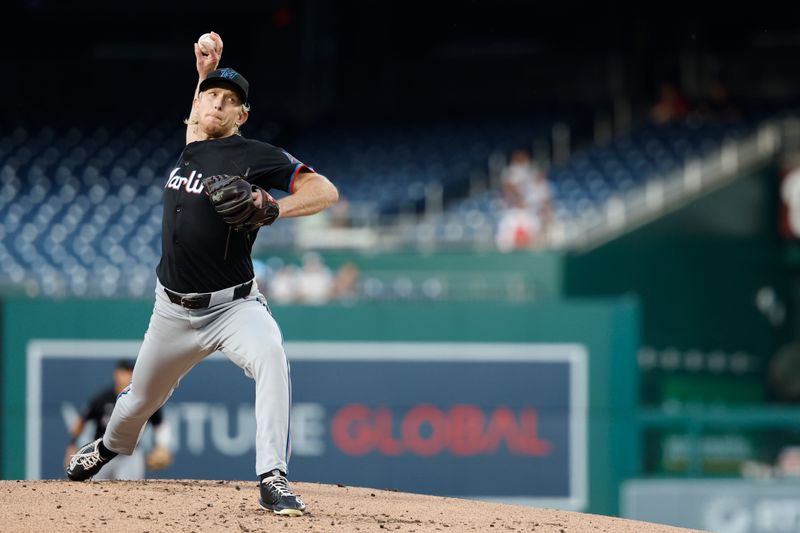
232,198
159,458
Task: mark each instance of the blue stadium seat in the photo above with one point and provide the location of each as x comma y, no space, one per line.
80,208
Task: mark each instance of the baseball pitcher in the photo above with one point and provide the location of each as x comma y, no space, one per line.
215,200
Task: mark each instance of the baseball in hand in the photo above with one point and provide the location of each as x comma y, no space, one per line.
206,44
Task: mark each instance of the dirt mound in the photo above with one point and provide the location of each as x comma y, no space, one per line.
186,505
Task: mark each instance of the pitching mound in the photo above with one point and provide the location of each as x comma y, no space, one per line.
199,506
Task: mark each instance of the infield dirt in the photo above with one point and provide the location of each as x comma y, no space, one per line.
203,506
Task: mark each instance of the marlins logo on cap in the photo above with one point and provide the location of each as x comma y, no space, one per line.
228,73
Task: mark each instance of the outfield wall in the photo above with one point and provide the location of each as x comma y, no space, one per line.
533,403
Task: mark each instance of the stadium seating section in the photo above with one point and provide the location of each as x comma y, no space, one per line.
80,207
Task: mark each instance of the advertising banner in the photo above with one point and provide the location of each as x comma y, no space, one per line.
500,421
720,505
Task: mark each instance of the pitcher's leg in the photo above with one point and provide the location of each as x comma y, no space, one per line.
253,341
169,351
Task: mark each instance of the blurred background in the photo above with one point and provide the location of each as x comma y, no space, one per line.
614,189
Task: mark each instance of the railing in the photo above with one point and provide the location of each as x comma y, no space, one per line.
618,215
662,194
514,286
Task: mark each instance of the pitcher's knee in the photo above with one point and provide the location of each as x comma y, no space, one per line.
270,355
134,405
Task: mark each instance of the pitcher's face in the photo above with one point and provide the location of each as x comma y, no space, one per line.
219,112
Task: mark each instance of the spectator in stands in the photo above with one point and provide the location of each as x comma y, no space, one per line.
284,286
315,282
518,178
788,461
345,282
516,230
527,196
340,214
671,105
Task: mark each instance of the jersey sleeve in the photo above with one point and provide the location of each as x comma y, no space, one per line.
94,411
275,168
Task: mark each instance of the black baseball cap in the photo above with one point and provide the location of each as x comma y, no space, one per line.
227,77
125,364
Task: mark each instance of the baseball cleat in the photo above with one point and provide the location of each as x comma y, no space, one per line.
86,462
276,496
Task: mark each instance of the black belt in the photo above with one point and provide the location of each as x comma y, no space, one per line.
202,300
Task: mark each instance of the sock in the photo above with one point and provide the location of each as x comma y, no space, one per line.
105,453
271,473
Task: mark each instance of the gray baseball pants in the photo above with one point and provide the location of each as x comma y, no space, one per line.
179,338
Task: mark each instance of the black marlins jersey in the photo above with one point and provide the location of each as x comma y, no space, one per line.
102,405
199,251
